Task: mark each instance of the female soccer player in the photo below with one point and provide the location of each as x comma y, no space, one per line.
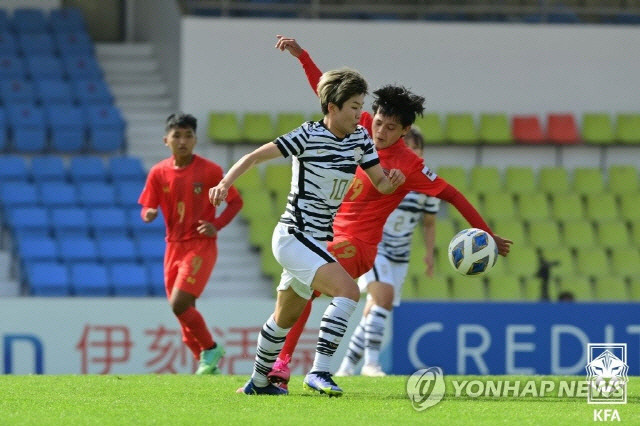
179,185
325,157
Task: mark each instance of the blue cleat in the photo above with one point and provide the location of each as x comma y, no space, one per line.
251,389
321,381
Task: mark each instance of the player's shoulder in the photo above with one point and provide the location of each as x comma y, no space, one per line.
162,164
201,161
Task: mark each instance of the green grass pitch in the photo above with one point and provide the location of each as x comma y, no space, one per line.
195,400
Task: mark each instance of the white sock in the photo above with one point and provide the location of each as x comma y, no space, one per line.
270,343
356,347
373,333
332,328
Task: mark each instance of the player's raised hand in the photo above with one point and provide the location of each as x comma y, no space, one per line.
206,228
289,44
396,177
217,194
504,245
150,214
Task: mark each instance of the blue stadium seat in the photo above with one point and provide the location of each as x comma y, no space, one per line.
31,248
43,66
129,279
92,91
68,129
47,168
47,279
96,194
18,194
28,20
151,248
117,249
36,44
27,127
73,43
4,140
58,194
54,92
13,168
28,221
77,249
70,222
87,168
5,23
65,20
106,128
155,229
155,273
126,168
108,222
17,91
11,67
128,192
90,279
81,66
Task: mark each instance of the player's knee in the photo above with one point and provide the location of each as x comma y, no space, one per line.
349,290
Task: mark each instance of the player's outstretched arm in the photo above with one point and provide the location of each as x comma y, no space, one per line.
266,152
311,70
385,183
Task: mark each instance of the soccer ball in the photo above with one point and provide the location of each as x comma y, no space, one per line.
472,252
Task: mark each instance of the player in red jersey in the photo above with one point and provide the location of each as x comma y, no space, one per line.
360,219
179,185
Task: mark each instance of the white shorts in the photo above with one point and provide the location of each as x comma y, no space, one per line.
300,256
388,272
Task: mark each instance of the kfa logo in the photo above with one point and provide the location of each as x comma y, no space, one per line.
607,377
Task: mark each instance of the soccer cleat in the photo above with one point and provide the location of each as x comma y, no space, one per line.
209,360
321,381
251,389
280,372
345,371
372,370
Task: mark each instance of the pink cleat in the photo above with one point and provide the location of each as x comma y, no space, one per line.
280,372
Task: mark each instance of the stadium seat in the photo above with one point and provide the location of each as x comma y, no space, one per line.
456,176
562,129
610,288
445,230
128,192
533,207
106,128
579,286
8,49
588,180
32,248
68,130
431,288
87,168
625,261
80,66
553,180
44,66
494,129
92,91
277,178
28,128
107,222
251,180
431,128
155,274
504,288
623,179
522,262
520,180
57,194
287,121
612,233
601,207
67,19
260,229
258,128
116,249
597,128
498,206
70,222
485,179
544,234
512,229
150,248
77,249
526,129
634,289
139,228
578,234
48,168
565,264
47,279
4,140
592,261
32,44
89,279
13,168
96,194
17,91
454,214
224,127
532,289
18,194
630,207
32,221
124,168
28,20
628,128
567,207
128,279
460,129
467,288
54,92
73,43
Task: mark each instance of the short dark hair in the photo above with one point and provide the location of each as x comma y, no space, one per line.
415,134
180,119
398,101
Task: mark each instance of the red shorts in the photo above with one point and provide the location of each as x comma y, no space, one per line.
355,256
188,265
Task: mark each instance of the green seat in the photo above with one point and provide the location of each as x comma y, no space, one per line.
485,179
588,180
433,288
611,288
430,126
277,178
459,220
564,259
601,207
445,230
512,229
534,207
494,129
258,128
519,180
597,128
566,207
623,179
460,129
456,176
269,265
441,264
592,261
612,234
634,288
579,286
287,121
504,287
417,254
630,207
553,180
543,234
578,234
249,181
625,261
258,205
531,289
468,288
498,206
635,232
224,127
628,128
260,232
522,261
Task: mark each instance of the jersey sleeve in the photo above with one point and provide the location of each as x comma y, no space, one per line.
425,181
366,121
294,142
150,196
370,155
311,70
431,205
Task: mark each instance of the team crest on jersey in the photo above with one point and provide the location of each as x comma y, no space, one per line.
165,188
197,187
430,174
357,154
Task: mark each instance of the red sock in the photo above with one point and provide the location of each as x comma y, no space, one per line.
294,334
194,323
191,342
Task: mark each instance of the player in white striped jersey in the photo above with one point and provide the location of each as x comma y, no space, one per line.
384,281
325,156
